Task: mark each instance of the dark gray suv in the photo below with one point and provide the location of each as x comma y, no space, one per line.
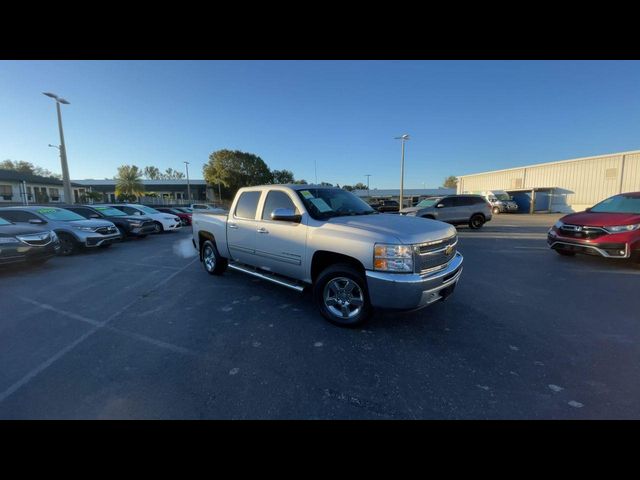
472,210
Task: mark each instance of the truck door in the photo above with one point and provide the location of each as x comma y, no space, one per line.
241,228
280,245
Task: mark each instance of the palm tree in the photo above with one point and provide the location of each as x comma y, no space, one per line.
128,183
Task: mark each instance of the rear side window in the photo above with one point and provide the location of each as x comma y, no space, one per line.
247,205
276,199
447,202
463,201
19,217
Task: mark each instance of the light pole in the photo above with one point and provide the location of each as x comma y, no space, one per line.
404,138
66,182
368,192
186,164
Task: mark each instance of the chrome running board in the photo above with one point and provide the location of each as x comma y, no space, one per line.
270,277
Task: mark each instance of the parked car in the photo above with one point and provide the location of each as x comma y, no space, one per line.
354,258
163,222
472,210
23,243
204,206
609,229
185,218
73,230
385,206
129,225
501,201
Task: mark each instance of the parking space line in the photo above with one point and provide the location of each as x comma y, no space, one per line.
57,356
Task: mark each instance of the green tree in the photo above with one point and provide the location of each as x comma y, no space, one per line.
450,182
129,184
282,176
326,184
171,174
152,173
359,186
28,168
300,182
235,169
93,196
348,188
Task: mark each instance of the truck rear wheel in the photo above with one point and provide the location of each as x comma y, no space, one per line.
340,293
213,262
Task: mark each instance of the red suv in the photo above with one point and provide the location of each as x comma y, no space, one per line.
610,229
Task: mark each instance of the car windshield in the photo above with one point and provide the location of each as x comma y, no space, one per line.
184,210
4,222
110,211
59,214
322,203
618,204
502,196
427,202
149,210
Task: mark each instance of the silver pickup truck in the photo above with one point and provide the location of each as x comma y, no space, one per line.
353,257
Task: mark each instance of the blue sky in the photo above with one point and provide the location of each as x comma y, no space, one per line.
463,116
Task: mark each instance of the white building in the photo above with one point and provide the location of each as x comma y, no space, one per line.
562,186
19,188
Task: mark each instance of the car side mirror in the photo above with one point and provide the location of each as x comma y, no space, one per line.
440,205
285,215
36,221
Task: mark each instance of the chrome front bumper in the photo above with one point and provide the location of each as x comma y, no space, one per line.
400,291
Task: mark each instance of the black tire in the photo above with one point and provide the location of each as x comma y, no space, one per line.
212,261
496,210
158,227
68,244
476,221
566,253
356,310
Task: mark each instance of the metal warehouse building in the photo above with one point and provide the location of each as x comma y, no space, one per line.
563,186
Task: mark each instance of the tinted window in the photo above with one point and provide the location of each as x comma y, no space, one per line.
276,199
247,205
129,210
18,216
618,204
85,212
4,222
59,214
109,211
463,201
447,202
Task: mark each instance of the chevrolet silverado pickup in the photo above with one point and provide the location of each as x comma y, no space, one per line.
354,258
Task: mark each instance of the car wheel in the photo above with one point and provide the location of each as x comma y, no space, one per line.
158,228
68,245
566,253
476,221
496,210
213,262
340,293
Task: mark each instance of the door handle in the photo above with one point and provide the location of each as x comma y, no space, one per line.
262,230
232,225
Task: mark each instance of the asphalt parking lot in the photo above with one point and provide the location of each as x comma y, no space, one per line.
141,331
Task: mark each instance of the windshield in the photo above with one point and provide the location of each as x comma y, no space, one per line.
324,203
110,211
618,204
59,214
185,210
4,222
427,202
149,210
502,196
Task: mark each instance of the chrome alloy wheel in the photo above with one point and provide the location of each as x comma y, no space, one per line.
343,297
209,258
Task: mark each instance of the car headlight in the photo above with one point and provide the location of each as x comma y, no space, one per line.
6,240
393,258
134,223
622,228
84,229
558,224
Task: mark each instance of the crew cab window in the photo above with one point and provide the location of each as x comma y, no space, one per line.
276,199
247,205
19,217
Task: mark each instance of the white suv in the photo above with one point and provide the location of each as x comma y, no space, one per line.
163,221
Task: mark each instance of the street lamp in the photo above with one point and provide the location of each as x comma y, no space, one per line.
66,182
404,138
186,164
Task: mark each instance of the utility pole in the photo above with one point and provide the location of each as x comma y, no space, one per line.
188,185
66,182
404,138
368,192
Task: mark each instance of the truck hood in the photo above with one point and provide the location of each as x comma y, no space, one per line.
407,230
594,219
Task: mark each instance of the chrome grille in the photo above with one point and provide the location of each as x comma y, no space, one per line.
578,231
106,230
435,255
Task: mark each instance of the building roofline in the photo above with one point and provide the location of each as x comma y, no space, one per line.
630,152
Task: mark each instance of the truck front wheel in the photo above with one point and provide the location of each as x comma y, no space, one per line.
213,263
340,293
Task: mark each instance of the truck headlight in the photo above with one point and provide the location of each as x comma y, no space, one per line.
622,228
393,258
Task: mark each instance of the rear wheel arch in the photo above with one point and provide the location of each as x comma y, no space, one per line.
203,236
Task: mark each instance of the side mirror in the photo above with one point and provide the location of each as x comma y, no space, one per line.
36,221
285,215
440,205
